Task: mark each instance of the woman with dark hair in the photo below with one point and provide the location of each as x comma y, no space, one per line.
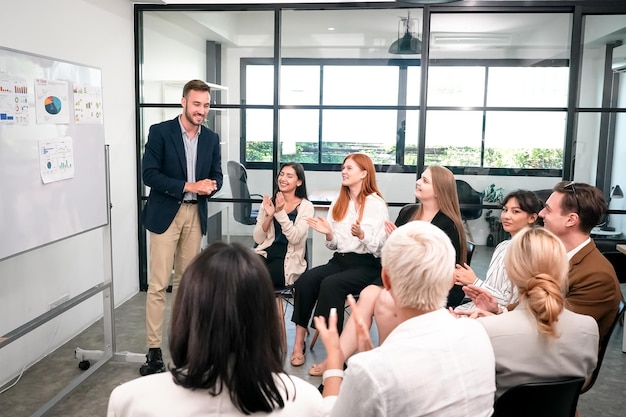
281,227
355,228
225,344
519,209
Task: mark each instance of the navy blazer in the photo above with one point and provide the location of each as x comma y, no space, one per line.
164,170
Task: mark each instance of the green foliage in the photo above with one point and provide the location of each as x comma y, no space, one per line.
335,152
493,194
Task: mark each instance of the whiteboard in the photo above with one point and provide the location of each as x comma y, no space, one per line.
59,103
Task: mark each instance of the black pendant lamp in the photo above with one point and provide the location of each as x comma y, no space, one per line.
407,43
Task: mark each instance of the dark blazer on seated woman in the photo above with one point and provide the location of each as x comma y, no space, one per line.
440,220
456,294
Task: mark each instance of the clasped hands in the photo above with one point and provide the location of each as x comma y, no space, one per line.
202,187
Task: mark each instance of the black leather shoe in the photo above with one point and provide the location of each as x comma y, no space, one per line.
154,363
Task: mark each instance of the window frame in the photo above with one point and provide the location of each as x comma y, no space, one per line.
403,65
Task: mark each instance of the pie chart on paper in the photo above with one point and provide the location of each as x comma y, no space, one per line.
52,104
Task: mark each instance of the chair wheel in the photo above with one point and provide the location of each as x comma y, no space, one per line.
84,365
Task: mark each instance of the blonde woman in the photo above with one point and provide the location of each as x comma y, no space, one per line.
540,340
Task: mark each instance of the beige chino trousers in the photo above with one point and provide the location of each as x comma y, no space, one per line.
175,247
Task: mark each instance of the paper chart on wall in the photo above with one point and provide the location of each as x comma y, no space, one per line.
87,104
13,100
51,101
56,159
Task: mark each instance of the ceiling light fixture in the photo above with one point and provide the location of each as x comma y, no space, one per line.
407,43
470,39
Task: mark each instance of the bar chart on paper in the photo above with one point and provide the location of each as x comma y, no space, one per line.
56,159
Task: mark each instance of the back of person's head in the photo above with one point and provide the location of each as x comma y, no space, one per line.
536,263
368,186
527,201
418,259
224,329
586,200
444,185
301,189
197,85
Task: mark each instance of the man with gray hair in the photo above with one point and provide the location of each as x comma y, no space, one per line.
431,363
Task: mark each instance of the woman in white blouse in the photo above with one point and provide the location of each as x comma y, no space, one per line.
355,229
519,209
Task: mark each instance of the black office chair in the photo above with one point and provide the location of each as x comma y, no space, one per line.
618,260
543,194
238,179
540,399
603,345
468,195
283,296
471,246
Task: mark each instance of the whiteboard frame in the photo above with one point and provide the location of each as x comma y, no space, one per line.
35,214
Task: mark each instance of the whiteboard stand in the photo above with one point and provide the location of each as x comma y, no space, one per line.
101,357
110,347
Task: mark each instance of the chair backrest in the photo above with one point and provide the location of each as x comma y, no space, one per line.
470,251
467,195
540,399
238,179
602,348
543,195
618,260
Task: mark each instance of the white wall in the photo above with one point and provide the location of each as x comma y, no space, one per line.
100,34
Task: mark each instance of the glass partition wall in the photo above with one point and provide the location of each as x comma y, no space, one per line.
517,97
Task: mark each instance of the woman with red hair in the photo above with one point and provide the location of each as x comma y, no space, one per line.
355,229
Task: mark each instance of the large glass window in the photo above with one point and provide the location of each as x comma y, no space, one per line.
496,139
462,130
505,88
338,125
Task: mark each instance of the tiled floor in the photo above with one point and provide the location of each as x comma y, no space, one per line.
41,382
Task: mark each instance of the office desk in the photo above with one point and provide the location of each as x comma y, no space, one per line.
608,242
621,248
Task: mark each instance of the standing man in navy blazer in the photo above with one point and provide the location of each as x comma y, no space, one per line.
182,166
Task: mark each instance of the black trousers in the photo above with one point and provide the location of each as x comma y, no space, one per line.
275,263
330,284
